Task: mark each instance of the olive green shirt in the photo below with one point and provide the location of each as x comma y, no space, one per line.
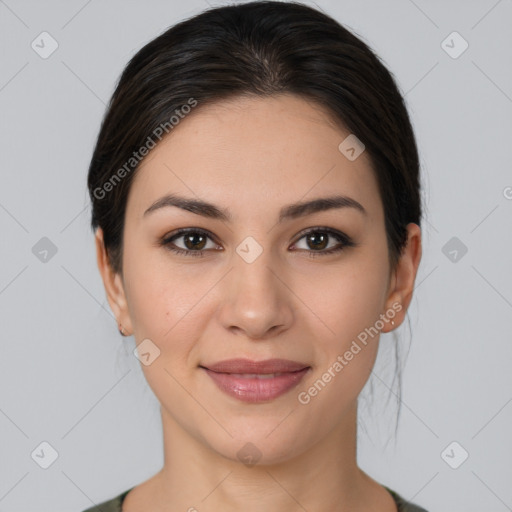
115,504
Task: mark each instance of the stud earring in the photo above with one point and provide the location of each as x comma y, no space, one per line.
121,330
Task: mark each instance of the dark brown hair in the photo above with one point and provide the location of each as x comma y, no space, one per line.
259,48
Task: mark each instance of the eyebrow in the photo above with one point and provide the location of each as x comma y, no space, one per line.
291,211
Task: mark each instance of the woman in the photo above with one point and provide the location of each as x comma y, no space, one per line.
256,204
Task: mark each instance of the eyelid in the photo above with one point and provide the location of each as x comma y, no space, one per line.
183,231
177,233
344,241
324,229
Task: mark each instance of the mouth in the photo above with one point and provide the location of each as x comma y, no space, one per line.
256,381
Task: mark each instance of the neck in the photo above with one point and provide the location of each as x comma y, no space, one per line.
323,477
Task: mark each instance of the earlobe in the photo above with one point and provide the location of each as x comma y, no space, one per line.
113,284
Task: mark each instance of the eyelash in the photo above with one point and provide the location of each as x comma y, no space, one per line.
340,237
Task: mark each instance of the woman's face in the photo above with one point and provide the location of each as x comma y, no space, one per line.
262,288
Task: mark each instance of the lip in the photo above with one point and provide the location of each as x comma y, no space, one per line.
250,381
259,367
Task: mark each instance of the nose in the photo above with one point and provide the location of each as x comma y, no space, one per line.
256,301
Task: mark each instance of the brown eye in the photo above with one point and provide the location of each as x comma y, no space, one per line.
194,242
323,241
317,240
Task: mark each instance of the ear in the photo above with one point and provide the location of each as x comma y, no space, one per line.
113,284
402,282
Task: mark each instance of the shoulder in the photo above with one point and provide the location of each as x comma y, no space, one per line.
112,505
115,504
404,505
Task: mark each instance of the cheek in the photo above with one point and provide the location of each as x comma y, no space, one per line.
346,349
345,302
165,308
166,305
345,357
157,297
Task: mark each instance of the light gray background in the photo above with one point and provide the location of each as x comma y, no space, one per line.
65,376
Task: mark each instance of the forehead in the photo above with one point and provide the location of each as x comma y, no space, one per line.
250,150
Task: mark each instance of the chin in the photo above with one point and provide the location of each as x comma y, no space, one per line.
261,444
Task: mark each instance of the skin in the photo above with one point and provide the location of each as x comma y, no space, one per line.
253,156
